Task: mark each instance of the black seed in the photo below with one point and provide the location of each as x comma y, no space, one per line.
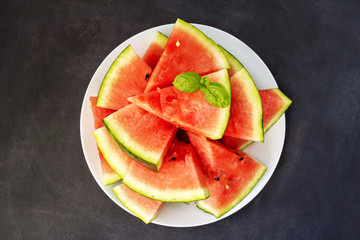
173,159
217,179
147,76
240,159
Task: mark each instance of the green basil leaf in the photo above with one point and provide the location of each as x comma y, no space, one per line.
204,81
217,95
187,82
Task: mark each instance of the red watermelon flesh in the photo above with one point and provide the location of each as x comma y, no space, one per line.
187,49
109,175
189,111
145,208
274,104
230,176
180,179
154,51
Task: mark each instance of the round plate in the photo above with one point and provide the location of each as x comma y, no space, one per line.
181,214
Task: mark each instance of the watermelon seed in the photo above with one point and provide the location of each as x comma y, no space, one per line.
217,179
147,76
173,159
240,159
227,186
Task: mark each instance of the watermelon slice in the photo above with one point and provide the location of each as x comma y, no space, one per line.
180,179
245,120
126,77
145,208
109,175
153,53
189,111
143,136
235,65
230,176
114,156
274,104
187,49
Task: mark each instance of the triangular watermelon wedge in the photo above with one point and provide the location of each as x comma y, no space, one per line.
154,51
230,176
188,49
189,111
180,179
274,104
143,136
144,208
246,111
235,65
126,77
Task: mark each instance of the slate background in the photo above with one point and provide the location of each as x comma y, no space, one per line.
49,51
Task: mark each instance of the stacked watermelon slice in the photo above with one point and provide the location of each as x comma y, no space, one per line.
138,113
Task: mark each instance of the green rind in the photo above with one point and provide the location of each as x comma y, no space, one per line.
287,104
235,65
135,155
253,92
236,201
123,58
112,155
160,39
166,195
111,178
208,42
140,215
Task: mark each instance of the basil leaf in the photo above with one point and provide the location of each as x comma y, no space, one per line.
187,82
204,81
217,95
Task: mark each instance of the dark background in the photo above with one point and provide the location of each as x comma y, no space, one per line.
49,51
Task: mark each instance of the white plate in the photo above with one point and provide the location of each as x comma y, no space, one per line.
180,214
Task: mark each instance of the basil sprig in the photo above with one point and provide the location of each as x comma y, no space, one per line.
215,93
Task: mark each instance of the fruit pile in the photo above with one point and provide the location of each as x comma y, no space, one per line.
180,140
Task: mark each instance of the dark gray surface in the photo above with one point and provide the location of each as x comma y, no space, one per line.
49,52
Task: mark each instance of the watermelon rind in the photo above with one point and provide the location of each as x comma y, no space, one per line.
111,178
160,39
144,208
137,156
253,97
235,65
203,206
114,156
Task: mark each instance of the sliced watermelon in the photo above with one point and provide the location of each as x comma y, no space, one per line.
126,77
109,175
143,136
230,176
145,208
274,104
245,120
187,49
180,179
235,65
114,156
153,53
189,111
